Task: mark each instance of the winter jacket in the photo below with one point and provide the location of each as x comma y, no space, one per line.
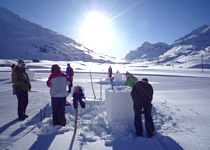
57,82
20,79
131,81
142,93
69,72
110,72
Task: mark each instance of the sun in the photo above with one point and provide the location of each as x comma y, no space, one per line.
96,31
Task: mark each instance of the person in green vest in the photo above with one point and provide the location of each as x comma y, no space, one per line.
22,85
130,79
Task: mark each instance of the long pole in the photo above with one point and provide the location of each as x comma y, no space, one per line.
202,62
111,81
92,86
101,88
44,112
40,115
76,114
92,81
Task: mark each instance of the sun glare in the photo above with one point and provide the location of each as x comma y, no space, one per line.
96,31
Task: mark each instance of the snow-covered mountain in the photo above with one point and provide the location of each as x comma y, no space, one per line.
20,38
193,49
147,51
189,49
198,38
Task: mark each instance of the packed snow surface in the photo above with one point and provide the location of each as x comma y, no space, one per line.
180,110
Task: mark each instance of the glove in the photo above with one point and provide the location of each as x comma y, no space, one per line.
82,104
29,87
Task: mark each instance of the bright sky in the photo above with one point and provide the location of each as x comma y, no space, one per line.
114,27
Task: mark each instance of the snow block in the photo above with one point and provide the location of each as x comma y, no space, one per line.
119,104
117,77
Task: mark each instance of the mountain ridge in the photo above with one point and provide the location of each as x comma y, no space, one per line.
191,47
21,38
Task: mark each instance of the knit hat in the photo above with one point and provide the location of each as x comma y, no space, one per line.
145,80
21,62
13,66
127,73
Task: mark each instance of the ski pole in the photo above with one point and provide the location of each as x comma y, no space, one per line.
111,81
44,112
92,86
76,114
101,89
40,114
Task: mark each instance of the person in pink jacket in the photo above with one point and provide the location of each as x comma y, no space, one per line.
57,83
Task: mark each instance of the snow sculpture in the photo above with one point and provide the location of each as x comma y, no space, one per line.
117,77
119,104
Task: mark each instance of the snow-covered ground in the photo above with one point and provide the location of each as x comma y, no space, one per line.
181,111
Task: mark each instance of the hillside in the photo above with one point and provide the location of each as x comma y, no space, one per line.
147,51
193,49
20,38
188,50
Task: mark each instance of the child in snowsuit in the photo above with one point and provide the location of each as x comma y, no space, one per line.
77,97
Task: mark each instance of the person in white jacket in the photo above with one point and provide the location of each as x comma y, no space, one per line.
57,82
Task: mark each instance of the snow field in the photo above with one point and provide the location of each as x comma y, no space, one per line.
180,112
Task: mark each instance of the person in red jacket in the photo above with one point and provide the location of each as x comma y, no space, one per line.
57,82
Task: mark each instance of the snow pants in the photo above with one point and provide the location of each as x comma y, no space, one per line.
58,110
70,86
149,124
22,97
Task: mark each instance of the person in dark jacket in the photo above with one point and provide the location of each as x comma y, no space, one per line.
21,86
57,82
142,95
70,73
110,72
13,89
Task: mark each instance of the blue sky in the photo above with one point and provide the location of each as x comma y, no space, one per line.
132,22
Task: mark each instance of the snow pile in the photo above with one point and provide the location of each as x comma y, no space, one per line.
91,122
93,127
